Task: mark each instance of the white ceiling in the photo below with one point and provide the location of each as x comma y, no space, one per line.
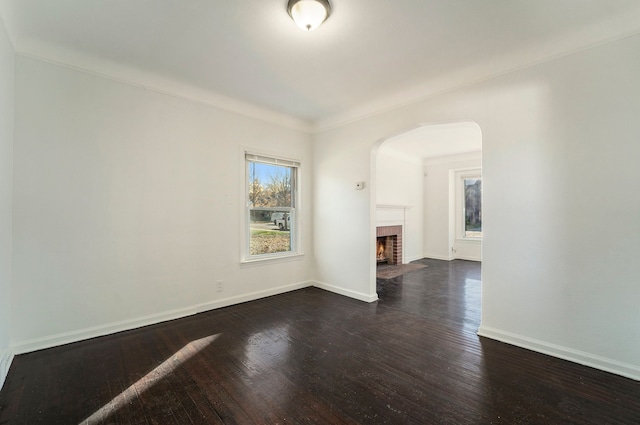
432,141
369,55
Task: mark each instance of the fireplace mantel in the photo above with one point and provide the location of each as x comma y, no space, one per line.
389,215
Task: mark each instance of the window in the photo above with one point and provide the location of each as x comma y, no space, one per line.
271,207
468,209
472,207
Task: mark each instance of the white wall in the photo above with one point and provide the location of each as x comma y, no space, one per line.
560,248
115,188
439,234
128,206
7,83
399,183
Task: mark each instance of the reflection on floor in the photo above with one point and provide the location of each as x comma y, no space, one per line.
311,356
447,292
390,271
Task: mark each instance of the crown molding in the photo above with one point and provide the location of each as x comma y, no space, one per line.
157,83
447,159
454,81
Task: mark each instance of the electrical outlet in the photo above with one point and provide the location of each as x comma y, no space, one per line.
219,286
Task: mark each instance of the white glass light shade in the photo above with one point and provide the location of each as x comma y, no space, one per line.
308,14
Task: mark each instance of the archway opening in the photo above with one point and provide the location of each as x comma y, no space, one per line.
427,183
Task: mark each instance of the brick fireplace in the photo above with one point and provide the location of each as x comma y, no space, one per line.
389,244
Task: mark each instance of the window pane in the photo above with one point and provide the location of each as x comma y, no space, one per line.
270,231
473,207
269,185
271,193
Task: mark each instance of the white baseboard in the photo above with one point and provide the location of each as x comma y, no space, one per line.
346,292
467,258
6,357
602,363
225,302
438,257
412,259
34,344
450,258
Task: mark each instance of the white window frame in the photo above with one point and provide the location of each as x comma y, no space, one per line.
460,213
294,210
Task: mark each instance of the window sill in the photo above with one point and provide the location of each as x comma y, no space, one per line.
296,256
475,240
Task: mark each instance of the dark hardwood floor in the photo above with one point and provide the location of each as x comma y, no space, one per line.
311,356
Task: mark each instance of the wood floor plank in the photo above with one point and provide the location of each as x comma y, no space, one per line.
310,356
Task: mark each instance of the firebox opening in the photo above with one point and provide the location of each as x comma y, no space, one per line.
380,254
389,245
385,249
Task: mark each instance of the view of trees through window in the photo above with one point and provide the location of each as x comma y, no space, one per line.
473,208
271,199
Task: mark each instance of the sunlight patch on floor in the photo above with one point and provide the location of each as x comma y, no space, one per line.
166,368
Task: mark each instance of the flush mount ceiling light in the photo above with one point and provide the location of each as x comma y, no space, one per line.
309,14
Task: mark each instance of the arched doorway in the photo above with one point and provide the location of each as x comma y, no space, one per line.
418,184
